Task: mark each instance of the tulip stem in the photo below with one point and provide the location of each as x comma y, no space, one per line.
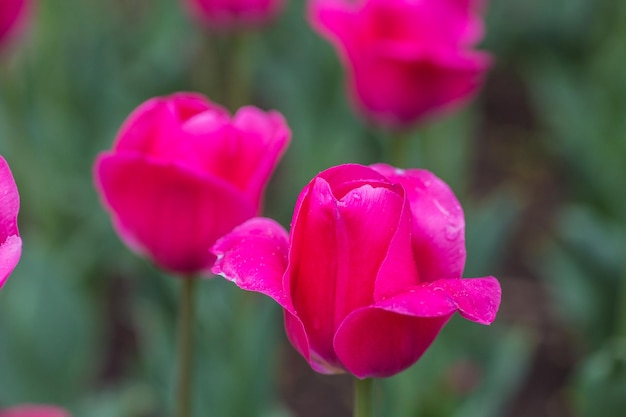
236,74
621,304
400,149
185,347
363,397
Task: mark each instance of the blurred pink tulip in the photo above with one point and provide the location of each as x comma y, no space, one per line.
229,14
10,242
182,173
406,59
34,411
371,271
12,15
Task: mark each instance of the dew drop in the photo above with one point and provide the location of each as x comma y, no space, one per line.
452,231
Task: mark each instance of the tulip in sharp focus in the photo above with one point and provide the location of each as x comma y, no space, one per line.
34,411
10,242
182,173
370,272
405,59
12,15
228,14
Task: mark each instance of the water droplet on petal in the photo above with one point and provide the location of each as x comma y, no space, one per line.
452,231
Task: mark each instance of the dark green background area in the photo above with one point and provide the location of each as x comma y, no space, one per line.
538,162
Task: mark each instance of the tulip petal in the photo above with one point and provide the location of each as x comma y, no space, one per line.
10,252
372,342
335,19
438,224
254,257
476,299
10,242
184,128
368,222
401,89
243,152
344,178
13,15
32,410
312,270
9,202
267,136
398,270
384,339
154,126
140,195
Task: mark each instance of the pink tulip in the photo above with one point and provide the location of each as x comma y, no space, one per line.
182,173
371,271
10,242
228,14
12,15
405,59
34,411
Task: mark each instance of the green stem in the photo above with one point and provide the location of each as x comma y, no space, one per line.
363,397
399,149
235,71
185,347
621,303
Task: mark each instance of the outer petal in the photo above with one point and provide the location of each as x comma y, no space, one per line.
337,20
438,225
173,215
34,411
228,14
9,202
254,257
10,242
372,342
400,90
244,151
155,128
313,263
10,252
386,338
12,15
476,299
265,137
344,178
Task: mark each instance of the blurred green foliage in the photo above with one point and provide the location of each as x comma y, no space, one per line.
88,325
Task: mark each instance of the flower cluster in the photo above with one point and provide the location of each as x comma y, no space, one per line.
371,268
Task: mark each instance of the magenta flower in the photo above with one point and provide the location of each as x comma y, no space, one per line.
10,242
228,14
34,411
182,173
370,272
12,15
405,59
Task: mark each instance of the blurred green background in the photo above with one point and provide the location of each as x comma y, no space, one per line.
538,162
